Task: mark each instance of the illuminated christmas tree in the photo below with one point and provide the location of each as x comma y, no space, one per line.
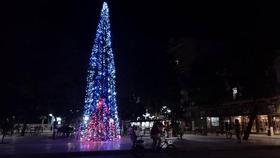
100,120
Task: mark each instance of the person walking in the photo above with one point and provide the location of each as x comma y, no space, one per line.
133,136
181,129
5,126
23,129
55,128
155,135
167,130
237,130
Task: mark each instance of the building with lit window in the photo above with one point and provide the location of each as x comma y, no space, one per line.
267,115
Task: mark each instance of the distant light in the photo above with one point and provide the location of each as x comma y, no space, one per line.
51,115
146,115
234,92
177,61
58,120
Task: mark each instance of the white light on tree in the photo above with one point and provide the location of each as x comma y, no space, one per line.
86,118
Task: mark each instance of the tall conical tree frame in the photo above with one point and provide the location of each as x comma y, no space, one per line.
100,119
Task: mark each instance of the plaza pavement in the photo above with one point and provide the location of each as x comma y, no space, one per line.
40,146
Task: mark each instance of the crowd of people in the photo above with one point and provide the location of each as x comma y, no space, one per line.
157,131
8,127
228,128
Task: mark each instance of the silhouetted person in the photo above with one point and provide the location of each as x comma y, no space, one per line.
222,128
237,130
133,136
17,128
11,125
167,129
227,127
23,129
155,135
55,128
181,130
5,127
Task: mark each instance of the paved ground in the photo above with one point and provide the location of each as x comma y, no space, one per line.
190,146
201,154
44,144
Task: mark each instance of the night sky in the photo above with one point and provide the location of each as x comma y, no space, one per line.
45,45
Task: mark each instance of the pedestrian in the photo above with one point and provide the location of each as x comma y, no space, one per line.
133,136
54,128
5,126
167,129
23,129
222,128
237,130
227,130
155,135
181,129
227,126
18,128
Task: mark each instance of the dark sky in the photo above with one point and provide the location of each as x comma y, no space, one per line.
46,44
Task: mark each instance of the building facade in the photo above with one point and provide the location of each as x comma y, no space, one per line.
267,111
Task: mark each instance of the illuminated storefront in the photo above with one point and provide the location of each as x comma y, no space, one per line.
276,124
260,125
267,119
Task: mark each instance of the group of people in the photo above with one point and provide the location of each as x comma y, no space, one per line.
156,132
62,131
7,127
226,128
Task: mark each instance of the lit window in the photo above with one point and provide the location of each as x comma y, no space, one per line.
215,121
